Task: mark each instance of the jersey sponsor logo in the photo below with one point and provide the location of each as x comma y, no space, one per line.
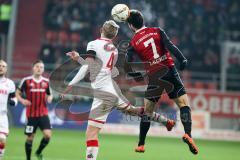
37,90
31,84
44,84
158,60
3,91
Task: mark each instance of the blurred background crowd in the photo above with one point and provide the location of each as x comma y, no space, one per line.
207,32
197,27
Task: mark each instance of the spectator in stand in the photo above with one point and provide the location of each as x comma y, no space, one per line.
201,24
47,55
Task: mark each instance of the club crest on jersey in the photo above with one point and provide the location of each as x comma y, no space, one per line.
32,84
109,47
44,84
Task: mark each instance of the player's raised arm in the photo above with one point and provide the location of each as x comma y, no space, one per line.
174,50
85,65
82,71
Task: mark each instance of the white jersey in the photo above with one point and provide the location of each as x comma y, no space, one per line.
106,55
7,87
107,93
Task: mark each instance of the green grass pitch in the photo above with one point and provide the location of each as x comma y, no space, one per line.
70,145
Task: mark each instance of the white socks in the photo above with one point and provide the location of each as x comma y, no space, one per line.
92,150
159,118
2,149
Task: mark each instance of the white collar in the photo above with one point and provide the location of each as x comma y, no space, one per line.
140,29
106,39
2,79
37,80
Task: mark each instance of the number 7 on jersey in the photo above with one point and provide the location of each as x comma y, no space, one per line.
154,48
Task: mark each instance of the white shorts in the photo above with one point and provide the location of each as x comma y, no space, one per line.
105,99
4,124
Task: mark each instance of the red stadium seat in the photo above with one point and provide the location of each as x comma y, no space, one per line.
199,85
51,35
212,86
188,85
63,37
75,37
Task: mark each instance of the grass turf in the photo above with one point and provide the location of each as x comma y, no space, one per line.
70,145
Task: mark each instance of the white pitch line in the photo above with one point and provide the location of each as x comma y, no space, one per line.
23,158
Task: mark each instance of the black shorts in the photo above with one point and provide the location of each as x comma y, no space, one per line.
33,124
165,79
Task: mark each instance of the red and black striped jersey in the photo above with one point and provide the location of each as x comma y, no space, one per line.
36,92
152,45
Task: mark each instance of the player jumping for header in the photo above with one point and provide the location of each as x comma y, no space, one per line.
101,65
153,47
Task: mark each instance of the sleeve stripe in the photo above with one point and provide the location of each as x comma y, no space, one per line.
91,54
21,83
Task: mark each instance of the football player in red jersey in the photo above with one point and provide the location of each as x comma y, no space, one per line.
153,47
37,91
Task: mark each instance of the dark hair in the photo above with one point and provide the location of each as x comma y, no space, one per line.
136,19
37,61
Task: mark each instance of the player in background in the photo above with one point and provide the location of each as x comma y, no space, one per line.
7,96
37,95
153,47
101,65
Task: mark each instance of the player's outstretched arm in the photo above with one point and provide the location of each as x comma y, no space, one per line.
75,56
174,50
81,72
79,76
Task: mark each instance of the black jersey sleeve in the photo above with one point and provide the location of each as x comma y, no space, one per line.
10,101
130,58
91,54
22,85
130,54
48,90
171,47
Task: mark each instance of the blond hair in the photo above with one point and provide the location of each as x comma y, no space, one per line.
110,29
4,62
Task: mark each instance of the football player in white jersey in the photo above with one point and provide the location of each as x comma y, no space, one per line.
7,96
101,65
